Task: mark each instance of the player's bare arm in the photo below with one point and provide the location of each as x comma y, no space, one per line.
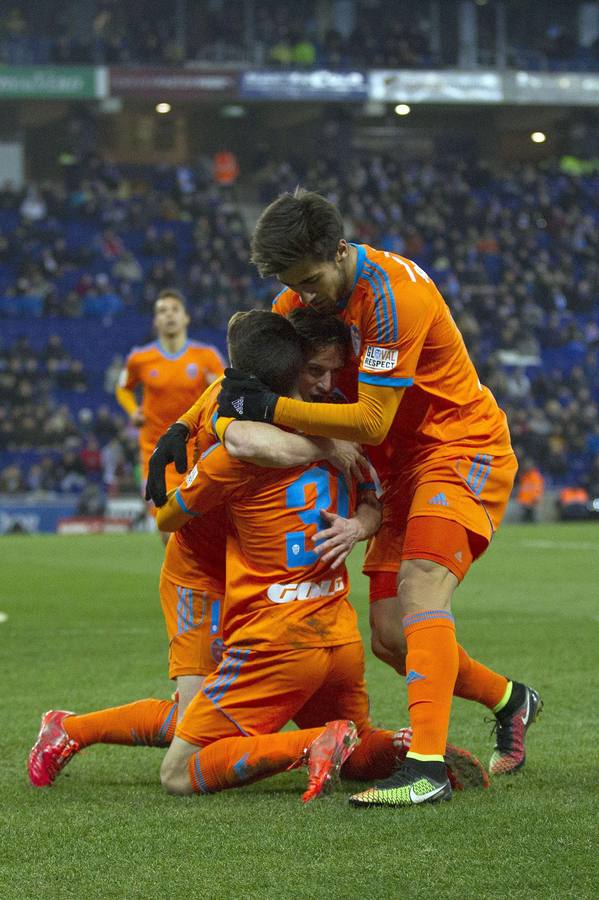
270,447
335,543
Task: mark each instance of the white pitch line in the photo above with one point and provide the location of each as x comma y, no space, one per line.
543,544
3,617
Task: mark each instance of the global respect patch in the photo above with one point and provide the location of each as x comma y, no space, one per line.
380,359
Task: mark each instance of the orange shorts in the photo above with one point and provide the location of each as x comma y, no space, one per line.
466,498
258,692
193,620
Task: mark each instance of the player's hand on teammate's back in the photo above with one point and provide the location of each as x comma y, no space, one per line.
171,447
243,397
347,458
335,543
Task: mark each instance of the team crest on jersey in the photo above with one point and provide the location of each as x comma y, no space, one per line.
153,373
356,340
191,477
380,359
192,370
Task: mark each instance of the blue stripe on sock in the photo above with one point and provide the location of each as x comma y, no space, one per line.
414,618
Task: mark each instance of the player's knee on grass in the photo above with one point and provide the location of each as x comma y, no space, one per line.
174,773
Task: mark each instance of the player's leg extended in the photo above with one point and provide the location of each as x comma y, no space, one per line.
149,723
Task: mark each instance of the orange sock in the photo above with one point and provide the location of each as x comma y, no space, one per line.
374,757
232,762
477,682
149,722
432,666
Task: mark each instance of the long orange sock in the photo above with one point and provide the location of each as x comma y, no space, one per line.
432,666
374,757
149,722
232,762
477,682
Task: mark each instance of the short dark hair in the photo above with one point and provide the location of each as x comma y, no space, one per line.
317,331
171,292
302,225
266,345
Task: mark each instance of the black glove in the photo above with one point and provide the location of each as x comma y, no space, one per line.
171,447
244,397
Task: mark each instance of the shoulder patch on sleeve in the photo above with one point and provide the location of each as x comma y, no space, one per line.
380,359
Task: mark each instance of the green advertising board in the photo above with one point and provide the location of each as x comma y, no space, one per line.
52,82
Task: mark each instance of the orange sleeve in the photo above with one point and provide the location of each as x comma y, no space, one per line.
366,422
126,399
128,379
214,479
191,418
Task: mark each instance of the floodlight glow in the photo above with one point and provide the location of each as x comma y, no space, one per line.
402,109
163,108
538,137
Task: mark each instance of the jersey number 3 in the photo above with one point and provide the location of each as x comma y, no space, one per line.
298,556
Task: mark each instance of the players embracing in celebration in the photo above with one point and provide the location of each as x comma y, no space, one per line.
447,462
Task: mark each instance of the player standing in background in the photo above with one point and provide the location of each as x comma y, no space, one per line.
172,372
449,470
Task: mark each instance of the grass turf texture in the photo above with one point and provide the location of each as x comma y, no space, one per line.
84,631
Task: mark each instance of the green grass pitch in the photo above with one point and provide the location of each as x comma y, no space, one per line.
83,629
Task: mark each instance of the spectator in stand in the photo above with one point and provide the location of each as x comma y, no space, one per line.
531,488
11,480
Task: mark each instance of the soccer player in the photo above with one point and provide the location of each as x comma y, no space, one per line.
172,372
449,470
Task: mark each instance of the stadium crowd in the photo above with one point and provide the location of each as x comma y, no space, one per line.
356,34
514,252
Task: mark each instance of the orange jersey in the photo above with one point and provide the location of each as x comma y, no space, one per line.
404,336
170,382
279,593
195,555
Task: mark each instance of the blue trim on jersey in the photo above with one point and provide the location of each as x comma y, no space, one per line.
382,335
387,288
341,304
359,263
274,302
181,503
213,422
386,380
210,449
375,281
167,355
